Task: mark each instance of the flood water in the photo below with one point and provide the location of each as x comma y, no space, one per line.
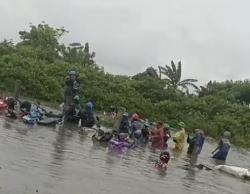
46,160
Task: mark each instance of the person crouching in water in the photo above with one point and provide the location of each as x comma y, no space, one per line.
179,138
124,124
162,163
157,136
197,142
221,152
87,116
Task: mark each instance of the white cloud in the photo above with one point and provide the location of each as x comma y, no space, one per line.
210,37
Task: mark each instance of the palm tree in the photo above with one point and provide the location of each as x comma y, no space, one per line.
173,74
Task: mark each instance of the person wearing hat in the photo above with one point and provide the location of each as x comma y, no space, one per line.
71,94
221,152
72,85
87,116
124,123
179,138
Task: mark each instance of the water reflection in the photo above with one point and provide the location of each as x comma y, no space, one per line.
175,154
217,162
189,179
7,125
20,128
82,135
58,153
110,162
152,157
63,159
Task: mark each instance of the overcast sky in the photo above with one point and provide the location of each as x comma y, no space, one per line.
210,37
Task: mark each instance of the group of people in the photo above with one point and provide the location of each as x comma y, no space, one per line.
72,110
132,129
196,141
158,134
17,108
139,131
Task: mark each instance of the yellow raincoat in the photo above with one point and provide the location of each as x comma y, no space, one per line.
179,139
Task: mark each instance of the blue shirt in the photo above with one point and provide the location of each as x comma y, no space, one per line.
199,142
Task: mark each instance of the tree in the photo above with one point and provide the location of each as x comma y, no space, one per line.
77,53
150,72
173,77
42,42
41,63
6,47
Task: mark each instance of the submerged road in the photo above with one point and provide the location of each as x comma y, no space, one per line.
58,160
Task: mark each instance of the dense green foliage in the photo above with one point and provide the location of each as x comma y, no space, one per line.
41,62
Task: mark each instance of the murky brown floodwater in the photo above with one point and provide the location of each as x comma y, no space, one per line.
64,161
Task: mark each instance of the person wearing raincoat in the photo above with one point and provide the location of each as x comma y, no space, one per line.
179,138
124,124
87,116
221,152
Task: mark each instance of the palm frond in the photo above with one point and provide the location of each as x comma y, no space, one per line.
188,81
169,73
178,72
173,67
167,81
162,68
164,71
189,84
184,87
172,77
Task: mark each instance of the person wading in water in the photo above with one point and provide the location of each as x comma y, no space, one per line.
70,95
